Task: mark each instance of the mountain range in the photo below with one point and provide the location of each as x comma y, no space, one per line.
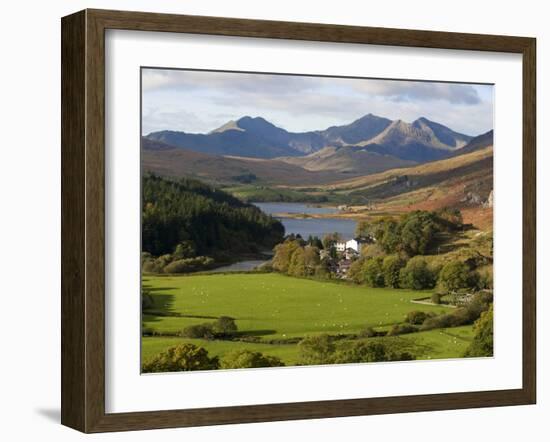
375,137
328,165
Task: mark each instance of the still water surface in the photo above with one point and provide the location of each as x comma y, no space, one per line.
303,227
309,226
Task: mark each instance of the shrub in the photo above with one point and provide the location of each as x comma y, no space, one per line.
198,331
439,321
150,265
416,317
479,303
369,352
401,356
368,332
249,359
462,315
322,270
361,352
189,265
183,357
316,350
451,218
402,329
391,267
416,275
436,298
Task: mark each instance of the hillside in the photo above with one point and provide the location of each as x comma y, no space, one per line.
205,220
463,181
170,161
347,159
477,143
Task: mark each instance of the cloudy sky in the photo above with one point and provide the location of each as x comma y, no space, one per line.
200,101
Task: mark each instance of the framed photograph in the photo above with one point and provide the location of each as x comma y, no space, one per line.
268,221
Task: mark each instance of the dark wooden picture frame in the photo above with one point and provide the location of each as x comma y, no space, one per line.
83,220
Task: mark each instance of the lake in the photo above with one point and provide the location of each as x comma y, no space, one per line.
303,226
309,226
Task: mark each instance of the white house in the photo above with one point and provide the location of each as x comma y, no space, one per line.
354,244
340,246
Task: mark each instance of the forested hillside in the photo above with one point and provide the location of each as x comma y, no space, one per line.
200,220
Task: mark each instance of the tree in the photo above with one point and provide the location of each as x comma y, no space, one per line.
485,277
202,219
369,352
361,352
391,267
283,254
330,239
454,275
322,270
355,272
374,275
249,359
198,331
315,241
185,249
224,326
183,357
418,232
364,229
311,259
387,233
416,275
316,350
482,344
297,266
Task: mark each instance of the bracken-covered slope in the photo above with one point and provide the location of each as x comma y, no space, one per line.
166,160
463,181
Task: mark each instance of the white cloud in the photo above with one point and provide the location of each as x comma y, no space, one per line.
198,101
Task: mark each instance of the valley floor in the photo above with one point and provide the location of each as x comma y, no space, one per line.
275,311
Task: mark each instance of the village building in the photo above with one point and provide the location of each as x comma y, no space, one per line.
350,254
343,268
355,244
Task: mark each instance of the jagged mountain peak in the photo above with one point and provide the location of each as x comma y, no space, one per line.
254,136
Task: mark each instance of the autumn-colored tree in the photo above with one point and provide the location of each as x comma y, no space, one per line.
283,254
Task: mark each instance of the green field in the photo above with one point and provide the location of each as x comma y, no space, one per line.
272,306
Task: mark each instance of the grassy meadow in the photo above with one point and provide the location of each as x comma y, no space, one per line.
275,310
